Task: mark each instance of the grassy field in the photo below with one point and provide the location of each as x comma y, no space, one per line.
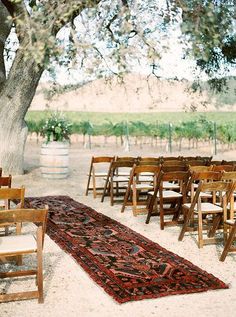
173,117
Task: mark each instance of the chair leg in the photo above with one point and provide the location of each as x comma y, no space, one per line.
228,243
149,209
200,234
111,193
134,204
39,268
125,199
215,226
89,178
94,187
185,225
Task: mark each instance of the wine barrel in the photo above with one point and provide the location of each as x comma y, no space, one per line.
54,160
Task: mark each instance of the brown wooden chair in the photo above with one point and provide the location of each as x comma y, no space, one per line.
168,195
104,163
193,184
114,182
202,210
21,244
137,188
8,196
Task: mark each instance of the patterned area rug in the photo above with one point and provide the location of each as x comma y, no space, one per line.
126,264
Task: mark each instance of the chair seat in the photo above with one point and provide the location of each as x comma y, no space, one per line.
169,185
205,207
124,173
230,222
204,195
18,243
167,194
120,179
99,174
144,178
141,186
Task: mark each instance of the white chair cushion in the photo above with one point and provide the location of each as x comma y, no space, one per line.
141,186
120,179
17,243
230,222
206,207
167,194
169,185
144,178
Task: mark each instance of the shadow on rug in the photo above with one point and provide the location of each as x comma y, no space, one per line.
126,264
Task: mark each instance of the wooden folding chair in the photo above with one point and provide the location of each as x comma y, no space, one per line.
93,174
138,187
114,182
8,197
169,190
193,184
21,244
201,210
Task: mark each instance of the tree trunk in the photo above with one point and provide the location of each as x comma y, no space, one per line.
15,98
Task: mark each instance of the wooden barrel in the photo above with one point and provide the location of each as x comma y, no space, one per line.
54,160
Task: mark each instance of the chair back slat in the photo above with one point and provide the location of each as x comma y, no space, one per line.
5,181
226,168
23,215
231,176
102,159
12,193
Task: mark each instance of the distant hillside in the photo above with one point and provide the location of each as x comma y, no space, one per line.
137,93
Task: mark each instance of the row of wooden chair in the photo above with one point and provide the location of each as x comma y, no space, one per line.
14,245
105,162
169,184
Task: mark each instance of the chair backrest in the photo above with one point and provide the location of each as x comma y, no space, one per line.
228,162
139,169
226,168
5,181
181,176
208,176
115,165
199,169
228,176
12,216
126,158
171,158
196,162
225,189
10,194
102,159
148,161
174,168
173,162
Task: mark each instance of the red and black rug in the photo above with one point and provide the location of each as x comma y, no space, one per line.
126,264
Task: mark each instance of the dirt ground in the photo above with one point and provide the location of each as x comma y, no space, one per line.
69,291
